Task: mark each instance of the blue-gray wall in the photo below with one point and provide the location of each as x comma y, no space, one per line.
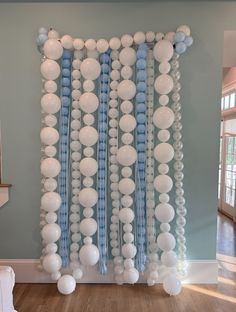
20,91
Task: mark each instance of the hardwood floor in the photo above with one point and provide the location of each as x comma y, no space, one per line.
140,298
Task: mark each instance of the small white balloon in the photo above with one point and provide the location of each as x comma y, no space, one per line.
126,186
126,72
50,69
185,29
126,40
102,45
50,86
150,36
139,37
67,42
129,250
88,86
127,56
53,34
164,84
88,227
164,99
166,241
51,233
51,217
164,67
50,167
53,49
89,102
52,263
164,152
88,119
163,117
51,201
66,284
78,44
50,185
88,136
170,36
88,197
49,136
114,43
127,123
163,183
50,103
172,285
51,248
126,107
159,36
90,68
169,258
163,51
90,44
126,215
126,89
89,255
77,274
126,155
131,276
88,166
50,120
164,213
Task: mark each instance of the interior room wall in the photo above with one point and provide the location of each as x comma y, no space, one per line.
20,92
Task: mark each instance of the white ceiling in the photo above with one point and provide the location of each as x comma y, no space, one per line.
229,59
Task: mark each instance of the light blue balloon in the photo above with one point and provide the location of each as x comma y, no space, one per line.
141,138
42,38
141,64
104,58
66,54
141,75
103,97
143,46
188,41
104,87
65,63
180,47
141,108
104,78
179,36
65,91
141,118
65,72
141,54
105,68
43,31
140,97
65,101
65,82
141,86
141,128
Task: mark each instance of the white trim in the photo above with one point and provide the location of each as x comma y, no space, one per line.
199,272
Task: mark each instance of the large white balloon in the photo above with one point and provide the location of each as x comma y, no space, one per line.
166,241
66,284
163,117
127,56
50,103
52,263
126,186
88,166
126,89
89,255
163,183
129,250
50,167
127,123
90,68
49,136
88,136
164,152
51,233
51,201
164,213
50,70
169,258
126,215
88,102
172,285
163,51
126,155
131,276
88,227
88,197
52,49
164,84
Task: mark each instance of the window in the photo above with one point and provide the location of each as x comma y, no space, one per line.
228,101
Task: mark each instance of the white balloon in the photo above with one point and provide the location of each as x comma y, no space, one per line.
163,117
169,258
164,99
102,45
159,36
139,37
170,36
51,217
88,197
150,36
50,185
127,56
164,84
77,274
50,120
126,40
163,51
126,107
163,135
90,68
90,44
88,227
126,215
126,155
51,233
166,241
50,151
129,250
50,86
51,248
88,166
50,167
67,42
55,276
126,186
52,263
88,102
164,67
164,152
163,168
51,201
172,285
53,34
126,89
89,255
131,276
115,43
126,72
50,69
127,123
185,29
52,49
163,183
66,284
49,136
78,44
88,136
50,103
126,172
164,213
88,86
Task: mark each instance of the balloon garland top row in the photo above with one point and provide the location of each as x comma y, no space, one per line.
111,134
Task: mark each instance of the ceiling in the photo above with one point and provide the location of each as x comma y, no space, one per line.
229,59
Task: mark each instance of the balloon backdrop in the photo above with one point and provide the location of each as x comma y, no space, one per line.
111,154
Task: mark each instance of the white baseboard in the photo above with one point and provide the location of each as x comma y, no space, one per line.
199,272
